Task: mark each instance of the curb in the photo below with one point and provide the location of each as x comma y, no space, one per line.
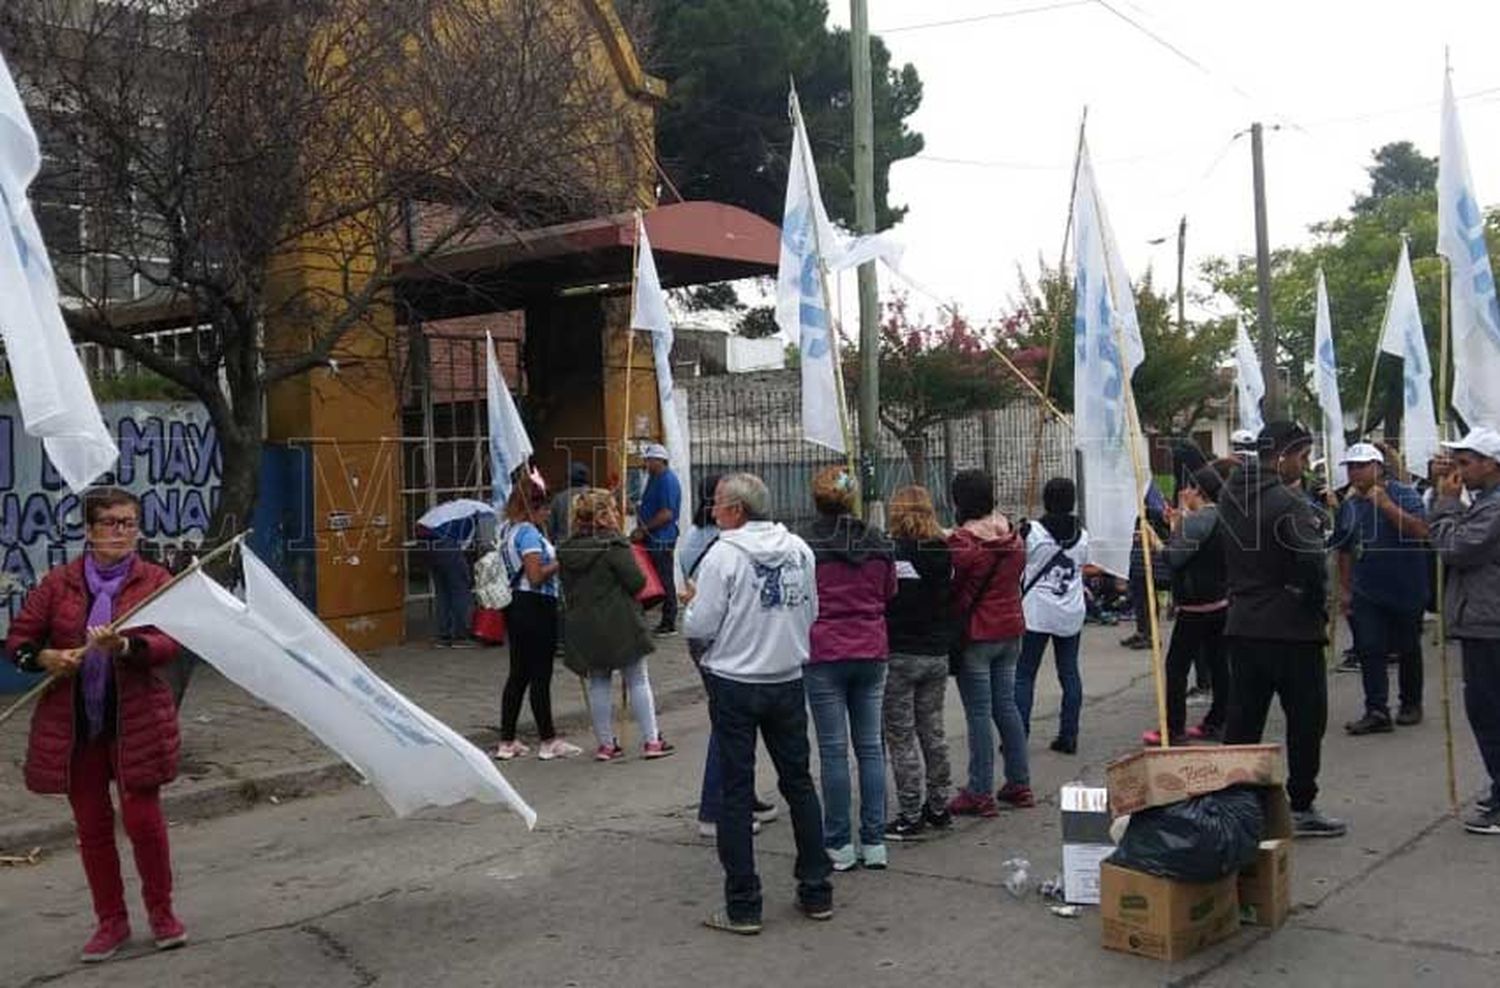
320,778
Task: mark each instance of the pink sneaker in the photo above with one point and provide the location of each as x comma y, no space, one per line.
510,749
109,936
970,804
167,930
608,753
657,749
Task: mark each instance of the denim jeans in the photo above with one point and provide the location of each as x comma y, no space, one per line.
846,698
778,711
711,795
451,585
1065,651
987,685
1381,631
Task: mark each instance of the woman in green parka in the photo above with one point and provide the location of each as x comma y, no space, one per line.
606,629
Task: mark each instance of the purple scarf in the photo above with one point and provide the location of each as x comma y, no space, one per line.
104,583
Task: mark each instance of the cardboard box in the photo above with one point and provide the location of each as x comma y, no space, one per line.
1164,919
1085,833
1161,776
1265,887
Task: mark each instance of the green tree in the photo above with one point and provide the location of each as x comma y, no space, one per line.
931,374
1175,385
723,133
1358,254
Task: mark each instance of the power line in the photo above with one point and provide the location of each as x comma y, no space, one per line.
1143,29
999,15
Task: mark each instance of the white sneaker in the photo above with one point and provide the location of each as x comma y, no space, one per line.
710,831
843,858
510,749
557,748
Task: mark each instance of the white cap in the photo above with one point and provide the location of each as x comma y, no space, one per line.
1485,442
1242,439
1363,453
655,451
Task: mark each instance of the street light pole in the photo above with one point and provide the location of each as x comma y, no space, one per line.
864,221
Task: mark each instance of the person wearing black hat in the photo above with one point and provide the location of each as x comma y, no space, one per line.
1278,613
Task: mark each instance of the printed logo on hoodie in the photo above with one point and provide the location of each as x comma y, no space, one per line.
778,588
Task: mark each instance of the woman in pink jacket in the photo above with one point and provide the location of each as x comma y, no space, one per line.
108,716
845,674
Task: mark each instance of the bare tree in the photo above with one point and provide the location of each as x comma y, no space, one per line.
251,168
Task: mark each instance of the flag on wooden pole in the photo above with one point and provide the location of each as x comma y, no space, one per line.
57,404
510,446
1326,386
1402,336
1249,384
650,313
1107,350
1474,307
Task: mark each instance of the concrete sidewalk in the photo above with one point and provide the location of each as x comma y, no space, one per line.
237,751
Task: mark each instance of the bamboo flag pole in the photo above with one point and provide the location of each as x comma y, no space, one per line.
1364,414
1442,624
1033,476
1046,403
36,691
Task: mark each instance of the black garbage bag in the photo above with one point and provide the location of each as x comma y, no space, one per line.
1197,840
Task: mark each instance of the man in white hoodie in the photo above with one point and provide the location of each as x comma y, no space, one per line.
755,599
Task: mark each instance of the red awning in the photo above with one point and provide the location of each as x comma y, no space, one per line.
693,243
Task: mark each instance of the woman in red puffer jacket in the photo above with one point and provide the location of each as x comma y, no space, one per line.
109,715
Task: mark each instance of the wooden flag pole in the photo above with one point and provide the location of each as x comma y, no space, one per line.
1033,474
36,691
1445,329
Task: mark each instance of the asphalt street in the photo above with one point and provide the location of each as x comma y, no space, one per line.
612,885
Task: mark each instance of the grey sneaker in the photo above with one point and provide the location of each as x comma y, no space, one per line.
843,858
874,856
1311,823
1486,824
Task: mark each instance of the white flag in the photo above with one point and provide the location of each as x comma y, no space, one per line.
1326,384
277,650
1472,301
510,447
1402,336
650,313
806,236
1107,349
56,402
1249,384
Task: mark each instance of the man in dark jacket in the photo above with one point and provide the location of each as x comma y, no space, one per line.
1278,613
1467,541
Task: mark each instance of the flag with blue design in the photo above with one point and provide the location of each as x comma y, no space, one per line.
1326,386
1107,350
1402,336
807,238
1474,308
1249,383
649,312
510,446
275,649
57,405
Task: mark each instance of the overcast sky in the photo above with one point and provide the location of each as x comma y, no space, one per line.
1003,95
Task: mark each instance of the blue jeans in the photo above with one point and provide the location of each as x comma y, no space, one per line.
451,584
846,698
987,685
711,796
1065,651
777,711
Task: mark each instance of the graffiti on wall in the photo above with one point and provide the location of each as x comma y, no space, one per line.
169,457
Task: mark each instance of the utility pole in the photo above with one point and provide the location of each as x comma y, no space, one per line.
864,221
1274,407
1181,263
